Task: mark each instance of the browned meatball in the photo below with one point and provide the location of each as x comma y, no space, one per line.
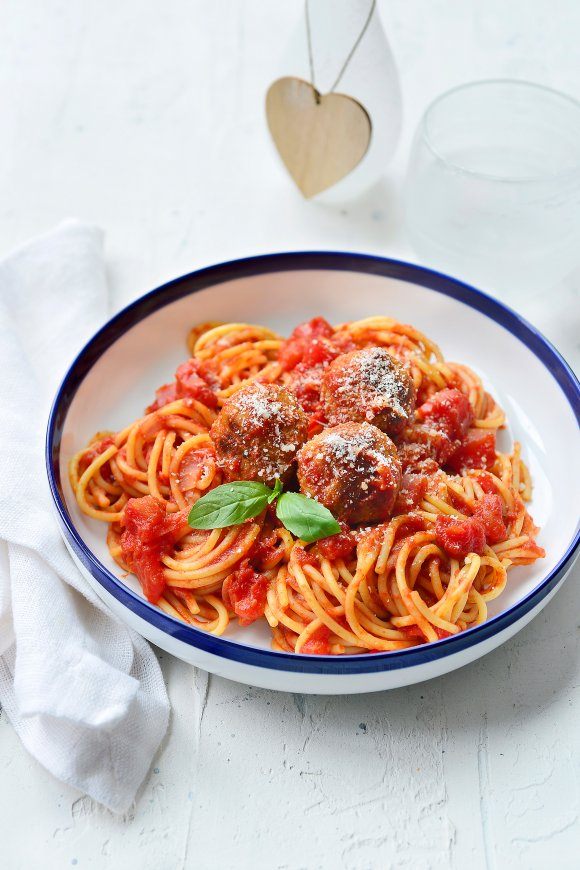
353,469
369,385
258,432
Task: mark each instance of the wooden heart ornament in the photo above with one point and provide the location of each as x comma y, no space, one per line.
320,137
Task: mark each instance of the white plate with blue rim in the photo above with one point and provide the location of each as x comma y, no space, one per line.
114,377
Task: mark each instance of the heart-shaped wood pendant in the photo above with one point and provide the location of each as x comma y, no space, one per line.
320,137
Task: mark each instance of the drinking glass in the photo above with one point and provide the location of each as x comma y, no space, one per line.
492,193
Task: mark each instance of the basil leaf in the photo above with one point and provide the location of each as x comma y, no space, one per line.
275,492
305,517
229,505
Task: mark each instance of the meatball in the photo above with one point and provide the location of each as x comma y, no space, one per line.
258,432
353,469
369,385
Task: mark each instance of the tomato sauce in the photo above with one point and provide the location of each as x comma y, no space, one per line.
245,592
193,380
149,532
489,511
412,631
94,451
425,448
263,553
318,643
486,482
305,355
410,526
304,340
459,537
163,396
339,546
192,465
448,411
476,451
415,631
412,492
303,557
534,549
445,435
306,383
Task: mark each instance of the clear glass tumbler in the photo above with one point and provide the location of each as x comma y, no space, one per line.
492,192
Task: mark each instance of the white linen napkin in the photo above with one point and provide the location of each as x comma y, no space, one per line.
84,693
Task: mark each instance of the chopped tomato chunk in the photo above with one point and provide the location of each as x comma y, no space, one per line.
196,381
339,546
149,532
425,444
193,380
318,643
306,354
295,348
416,458
476,451
245,592
305,383
458,537
489,510
318,352
449,411
163,396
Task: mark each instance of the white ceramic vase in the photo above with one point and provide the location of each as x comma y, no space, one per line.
370,77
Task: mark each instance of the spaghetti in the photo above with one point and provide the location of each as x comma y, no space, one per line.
424,570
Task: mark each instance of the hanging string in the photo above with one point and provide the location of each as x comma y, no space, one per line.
349,56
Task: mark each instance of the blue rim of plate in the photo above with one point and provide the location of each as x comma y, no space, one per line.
271,263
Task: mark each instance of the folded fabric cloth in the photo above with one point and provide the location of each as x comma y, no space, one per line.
84,693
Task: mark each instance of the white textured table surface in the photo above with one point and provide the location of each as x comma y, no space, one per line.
146,118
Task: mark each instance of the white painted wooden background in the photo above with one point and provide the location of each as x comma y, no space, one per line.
146,118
